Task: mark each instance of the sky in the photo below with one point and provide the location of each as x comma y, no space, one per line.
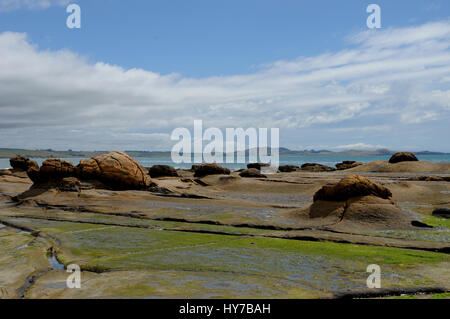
136,70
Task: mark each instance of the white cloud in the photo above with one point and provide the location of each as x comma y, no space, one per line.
10,5
56,98
356,146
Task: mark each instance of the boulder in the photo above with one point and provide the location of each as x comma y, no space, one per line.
51,169
252,173
347,165
210,169
22,163
162,171
403,157
288,168
315,167
351,186
442,212
257,165
116,170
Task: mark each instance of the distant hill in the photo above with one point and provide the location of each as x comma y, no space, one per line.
49,153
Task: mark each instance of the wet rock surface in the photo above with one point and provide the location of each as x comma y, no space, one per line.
225,236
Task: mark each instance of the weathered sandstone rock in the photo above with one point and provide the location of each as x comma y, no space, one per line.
22,163
210,169
403,157
162,171
314,167
347,165
116,170
352,186
252,173
288,168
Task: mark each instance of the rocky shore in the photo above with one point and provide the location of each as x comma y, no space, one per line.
308,231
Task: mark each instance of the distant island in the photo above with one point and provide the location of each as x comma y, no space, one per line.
49,153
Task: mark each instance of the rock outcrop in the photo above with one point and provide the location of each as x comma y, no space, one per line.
403,157
354,203
22,163
162,171
252,173
210,169
347,165
315,167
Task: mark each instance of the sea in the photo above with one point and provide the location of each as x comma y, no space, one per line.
329,160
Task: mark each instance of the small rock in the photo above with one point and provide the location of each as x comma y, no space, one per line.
210,169
347,165
252,173
257,165
288,168
442,212
162,171
315,167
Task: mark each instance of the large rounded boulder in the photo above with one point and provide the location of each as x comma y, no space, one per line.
403,157
22,163
116,170
210,169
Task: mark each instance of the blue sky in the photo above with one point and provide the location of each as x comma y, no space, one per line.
204,38
138,69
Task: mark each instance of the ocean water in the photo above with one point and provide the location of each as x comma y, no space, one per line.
284,160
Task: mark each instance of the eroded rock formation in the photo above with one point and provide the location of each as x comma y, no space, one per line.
403,157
